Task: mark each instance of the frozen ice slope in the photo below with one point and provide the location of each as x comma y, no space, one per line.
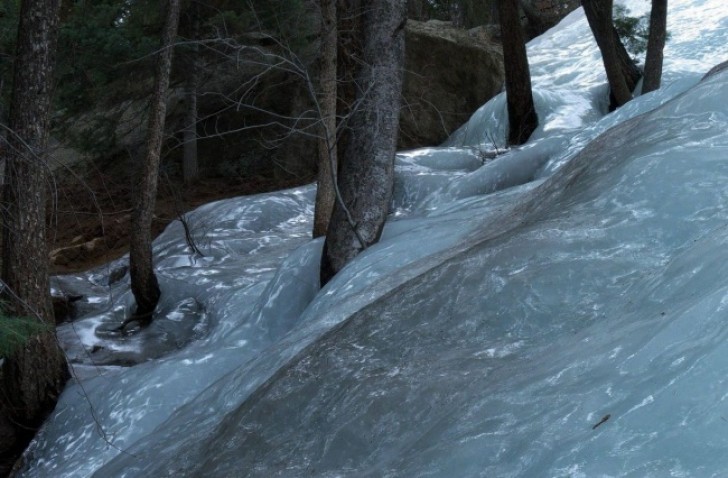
509,308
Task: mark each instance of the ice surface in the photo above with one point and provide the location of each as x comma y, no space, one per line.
511,305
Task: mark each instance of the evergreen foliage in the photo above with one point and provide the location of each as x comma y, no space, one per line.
16,331
633,31
98,43
106,51
103,41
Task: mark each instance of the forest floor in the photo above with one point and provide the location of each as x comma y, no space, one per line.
90,209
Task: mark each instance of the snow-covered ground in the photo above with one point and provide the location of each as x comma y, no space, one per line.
510,307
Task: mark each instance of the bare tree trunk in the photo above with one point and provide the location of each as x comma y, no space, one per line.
367,171
190,168
33,377
630,71
655,46
190,165
348,64
144,283
599,15
522,118
327,161
3,135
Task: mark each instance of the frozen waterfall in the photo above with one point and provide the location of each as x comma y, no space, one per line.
512,305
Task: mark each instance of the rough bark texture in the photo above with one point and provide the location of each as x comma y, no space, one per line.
599,15
33,377
630,70
522,118
325,194
367,170
348,63
144,283
655,46
190,170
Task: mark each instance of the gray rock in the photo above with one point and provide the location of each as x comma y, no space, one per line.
450,72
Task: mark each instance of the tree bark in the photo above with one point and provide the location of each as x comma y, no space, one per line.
367,171
522,118
190,165
348,64
599,15
655,46
34,376
144,283
327,161
627,65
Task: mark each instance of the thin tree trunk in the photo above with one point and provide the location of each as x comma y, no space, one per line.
655,46
367,171
144,283
599,15
522,118
630,71
327,161
33,377
3,135
190,164
348,64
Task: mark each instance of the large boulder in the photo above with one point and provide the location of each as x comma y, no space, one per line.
449,73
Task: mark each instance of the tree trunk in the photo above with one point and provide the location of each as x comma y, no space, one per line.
535,24
522,118
367,171
627,65
599,15
655,46
348,64
327,162
190,169
3,135
144,283
33,377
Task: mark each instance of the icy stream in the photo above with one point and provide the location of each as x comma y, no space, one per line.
511,306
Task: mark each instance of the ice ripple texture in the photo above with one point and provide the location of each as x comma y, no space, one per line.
502,318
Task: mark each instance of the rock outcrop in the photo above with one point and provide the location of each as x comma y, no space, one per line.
450,72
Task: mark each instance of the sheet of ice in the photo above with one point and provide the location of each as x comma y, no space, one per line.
569,82
604,293
212,318
511,304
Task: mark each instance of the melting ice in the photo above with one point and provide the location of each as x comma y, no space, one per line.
512,305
